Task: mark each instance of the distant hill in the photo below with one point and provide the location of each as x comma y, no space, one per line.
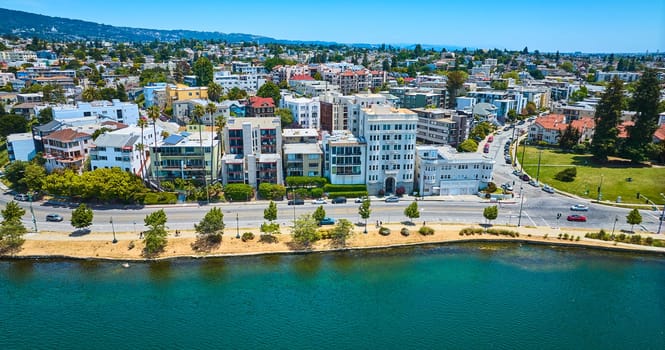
27,25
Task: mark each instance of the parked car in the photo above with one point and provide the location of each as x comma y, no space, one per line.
297,201
319,201
581,218
548,189
361,199
533,183
53,217
327,221
507,187
338,200
392,199
579,207
21,197
525,177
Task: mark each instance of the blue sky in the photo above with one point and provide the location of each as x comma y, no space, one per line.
564,25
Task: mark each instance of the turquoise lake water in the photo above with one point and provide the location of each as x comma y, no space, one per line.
435,297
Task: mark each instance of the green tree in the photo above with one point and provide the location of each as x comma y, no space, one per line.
319,213
645,103
468,145
607,117
569,137
212,225
45,115
304,231
12,124
455,83
203,71
11,228
236,93
317,76
499,85
269,89
364,211
82,216
285,116
491,213
580,94
270,214
341,232
214,91
567,66
411,211
238,192
156,235
531,108
634,218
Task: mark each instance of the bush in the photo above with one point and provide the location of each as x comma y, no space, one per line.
160,198
580,148
316,193
384,231
247,236
325,233
566,175
238,192
400,191
404,232
272,191
268,239
426,231
131,245
491,187
305,181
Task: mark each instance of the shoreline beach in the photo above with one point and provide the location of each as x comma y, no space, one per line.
51,245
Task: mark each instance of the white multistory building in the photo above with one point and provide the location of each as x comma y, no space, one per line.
121,112
440,170
121,149
390,134
305,110
247,82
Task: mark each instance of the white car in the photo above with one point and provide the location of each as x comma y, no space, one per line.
319,201
579,207
548,189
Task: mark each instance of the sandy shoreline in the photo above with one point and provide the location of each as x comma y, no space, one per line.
99,245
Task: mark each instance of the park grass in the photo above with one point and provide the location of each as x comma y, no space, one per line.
648,181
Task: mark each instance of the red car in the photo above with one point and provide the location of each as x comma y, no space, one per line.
581,218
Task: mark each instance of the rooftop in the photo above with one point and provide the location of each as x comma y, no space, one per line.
67,135
302,148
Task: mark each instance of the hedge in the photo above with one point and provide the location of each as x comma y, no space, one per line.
348,194
157,198
344,188
305,181
238,192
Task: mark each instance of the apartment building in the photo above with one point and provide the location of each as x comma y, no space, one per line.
441,170
247,81
66,148
627,77
442,126
17,55
302,152
253,149
390,134
188,155
344,158
182,92
120,149
21,147
305,111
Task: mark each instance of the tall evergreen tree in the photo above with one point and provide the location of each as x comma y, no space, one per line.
607,117
645,103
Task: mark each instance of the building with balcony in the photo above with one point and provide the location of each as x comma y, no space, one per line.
260,107
305,111
390,134
246,81
66,148
438,126
344,158
121,148
182,92
300,136
253,148
302,159
188,155
442,171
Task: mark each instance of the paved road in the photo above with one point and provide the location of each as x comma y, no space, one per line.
538,209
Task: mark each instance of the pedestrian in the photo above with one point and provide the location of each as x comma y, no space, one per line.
423,223
380,223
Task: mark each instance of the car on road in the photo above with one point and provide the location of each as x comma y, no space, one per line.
548,189
508,160
327,221
576,217
338,200
296,201
507,187
517,173
579,207
21,197
525,177
533,183
392,199
319,201
361,199
54,217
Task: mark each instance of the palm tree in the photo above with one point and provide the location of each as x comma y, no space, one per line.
221,123
142,123
197,113
153,114
211,108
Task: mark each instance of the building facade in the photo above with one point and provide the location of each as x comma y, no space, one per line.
66,148
345,155
21,147
121,112
441,171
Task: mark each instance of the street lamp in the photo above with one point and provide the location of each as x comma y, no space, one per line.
519,218
237,227
616,218
661,218
32,212
600,186
113,228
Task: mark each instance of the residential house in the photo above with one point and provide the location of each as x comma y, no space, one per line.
121,112
260,107
550,127
66,148
189,155
120,149
182,92
344,158
21,147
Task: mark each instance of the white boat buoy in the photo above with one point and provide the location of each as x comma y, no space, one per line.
125,265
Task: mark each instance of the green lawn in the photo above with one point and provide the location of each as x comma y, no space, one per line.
649,181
